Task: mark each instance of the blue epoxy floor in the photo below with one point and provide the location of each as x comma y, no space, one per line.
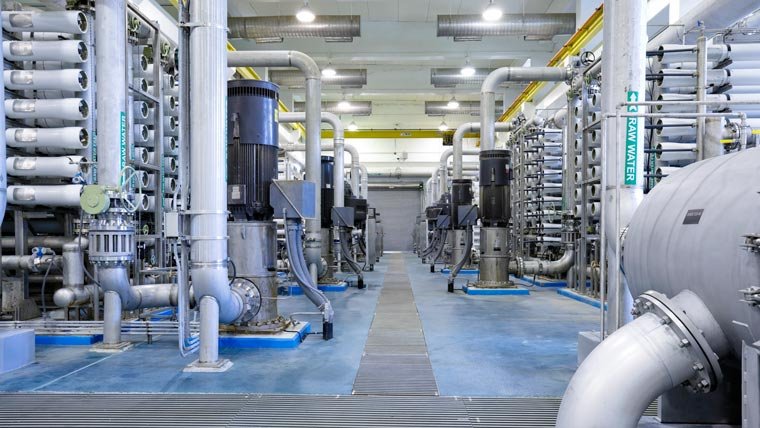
498,345
479,346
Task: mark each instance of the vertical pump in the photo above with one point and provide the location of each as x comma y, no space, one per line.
463,216
495,212
251,168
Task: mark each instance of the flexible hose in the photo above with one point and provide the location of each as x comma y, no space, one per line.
344,237
301,272
467,250
429,249
441,245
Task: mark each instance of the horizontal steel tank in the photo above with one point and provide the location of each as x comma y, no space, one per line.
691,231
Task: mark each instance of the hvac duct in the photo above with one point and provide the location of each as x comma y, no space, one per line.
532,26
356,108
451,77
441,108
268,29
345,78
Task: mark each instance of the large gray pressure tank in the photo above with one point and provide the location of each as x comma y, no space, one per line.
689,234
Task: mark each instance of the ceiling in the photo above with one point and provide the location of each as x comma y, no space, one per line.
398,47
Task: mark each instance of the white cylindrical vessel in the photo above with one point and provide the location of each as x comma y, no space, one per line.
141,135
170,185
141,154
64,109
141,112
693,232
72,51
171,147
71,138
60,80
686,152
59,166
70,22
53,196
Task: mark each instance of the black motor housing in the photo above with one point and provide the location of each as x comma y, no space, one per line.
252,145
495,176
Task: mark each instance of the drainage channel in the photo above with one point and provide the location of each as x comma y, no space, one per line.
395,360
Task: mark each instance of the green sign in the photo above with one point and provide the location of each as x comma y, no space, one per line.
631,141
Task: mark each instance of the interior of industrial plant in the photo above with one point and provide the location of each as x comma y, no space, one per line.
380,213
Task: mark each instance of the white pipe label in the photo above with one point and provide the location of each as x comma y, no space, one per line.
631,141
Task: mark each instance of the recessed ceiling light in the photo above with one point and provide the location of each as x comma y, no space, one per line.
453,104
492,12
353,126
305,14
443,127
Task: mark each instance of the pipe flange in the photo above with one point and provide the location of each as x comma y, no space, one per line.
520,262
251,297
707,371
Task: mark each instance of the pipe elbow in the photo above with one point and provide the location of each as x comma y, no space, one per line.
672,342
213,282
337,125
116,279
306,64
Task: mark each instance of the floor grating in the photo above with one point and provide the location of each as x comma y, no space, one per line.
395,360
30,410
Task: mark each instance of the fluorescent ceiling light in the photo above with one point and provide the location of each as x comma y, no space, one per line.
492,12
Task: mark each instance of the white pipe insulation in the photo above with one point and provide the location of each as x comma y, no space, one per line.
313,77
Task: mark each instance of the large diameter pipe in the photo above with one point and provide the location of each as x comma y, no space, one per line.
116,279
338,148
509,74
208,223
111,67
639,362
625,29
327,147
313,75
459,136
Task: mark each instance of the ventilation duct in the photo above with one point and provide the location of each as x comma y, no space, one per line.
531,26
274,29
451,77
441,108
357,108
345,78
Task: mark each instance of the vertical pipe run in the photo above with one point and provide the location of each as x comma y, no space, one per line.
313,251
625,25
3,170
111,74
701,94
111,318
209,331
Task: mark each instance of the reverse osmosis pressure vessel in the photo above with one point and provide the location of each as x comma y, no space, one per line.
70,22
73,51
60,80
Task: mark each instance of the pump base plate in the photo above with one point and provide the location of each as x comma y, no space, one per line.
463,271
288,339
295,290
111,348
218,366
478,291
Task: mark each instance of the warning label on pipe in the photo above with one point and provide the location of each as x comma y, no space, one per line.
631,141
